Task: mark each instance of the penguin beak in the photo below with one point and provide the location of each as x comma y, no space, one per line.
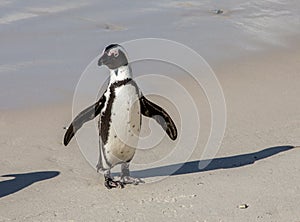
102,60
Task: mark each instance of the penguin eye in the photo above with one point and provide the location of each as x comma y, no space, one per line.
114,52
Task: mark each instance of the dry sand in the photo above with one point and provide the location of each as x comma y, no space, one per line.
255,164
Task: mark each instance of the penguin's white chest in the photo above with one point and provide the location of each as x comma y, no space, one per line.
125,125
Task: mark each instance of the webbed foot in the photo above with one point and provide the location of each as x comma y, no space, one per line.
110,183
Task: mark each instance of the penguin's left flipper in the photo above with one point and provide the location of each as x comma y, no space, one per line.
154,111
86,115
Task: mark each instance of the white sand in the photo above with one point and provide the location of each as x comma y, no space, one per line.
262,97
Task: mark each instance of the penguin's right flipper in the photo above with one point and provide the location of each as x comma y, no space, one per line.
86,115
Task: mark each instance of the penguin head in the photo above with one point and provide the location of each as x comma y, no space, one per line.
113,56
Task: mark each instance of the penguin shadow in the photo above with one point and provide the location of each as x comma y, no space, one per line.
210,164
22,180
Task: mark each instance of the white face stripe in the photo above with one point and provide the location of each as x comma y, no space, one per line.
113,51
123,49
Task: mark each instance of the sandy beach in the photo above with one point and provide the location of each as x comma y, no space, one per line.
257,164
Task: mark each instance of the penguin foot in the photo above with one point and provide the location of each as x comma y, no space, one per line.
131,180
110,183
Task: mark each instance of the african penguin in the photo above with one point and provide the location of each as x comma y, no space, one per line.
120,108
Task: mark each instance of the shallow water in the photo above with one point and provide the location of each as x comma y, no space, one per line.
45,46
